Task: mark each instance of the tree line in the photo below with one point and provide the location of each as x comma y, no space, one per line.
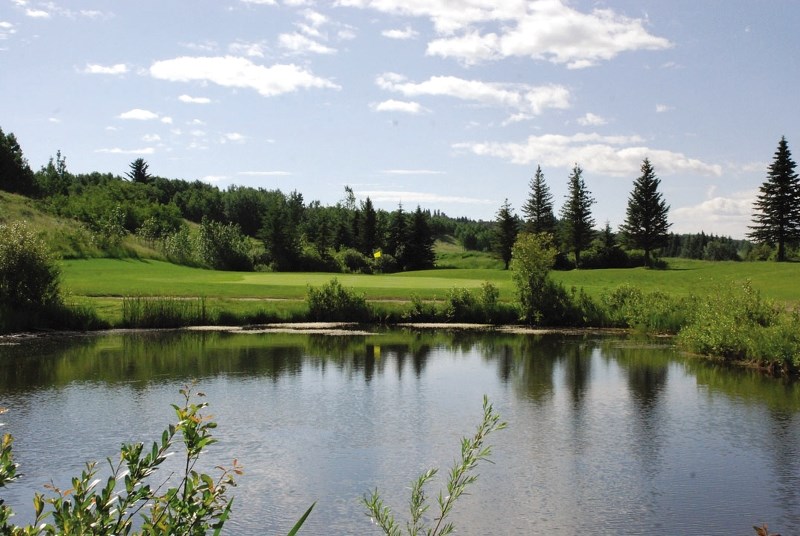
245,228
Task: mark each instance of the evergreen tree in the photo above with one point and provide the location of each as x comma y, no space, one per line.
138,172
368,231
646,223
418,249
15,173
538,209
777,208
397,236
506,230
576,215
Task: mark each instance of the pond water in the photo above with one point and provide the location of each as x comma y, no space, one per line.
606,435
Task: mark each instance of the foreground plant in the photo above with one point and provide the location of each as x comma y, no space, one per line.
462,475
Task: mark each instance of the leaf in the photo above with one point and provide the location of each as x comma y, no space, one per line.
302,520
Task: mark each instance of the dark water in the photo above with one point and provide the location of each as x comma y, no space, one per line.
605,436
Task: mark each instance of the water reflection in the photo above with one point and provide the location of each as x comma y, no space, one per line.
607,435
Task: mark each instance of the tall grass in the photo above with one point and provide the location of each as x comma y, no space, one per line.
145,312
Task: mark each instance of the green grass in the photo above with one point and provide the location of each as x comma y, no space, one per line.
102,282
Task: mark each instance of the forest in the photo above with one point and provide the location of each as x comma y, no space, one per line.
243,228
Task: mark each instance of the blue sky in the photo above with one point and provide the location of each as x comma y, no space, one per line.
443,103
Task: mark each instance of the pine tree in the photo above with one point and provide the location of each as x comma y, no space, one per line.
138,172
397,236
368,231
646,224
418,249
506,230
538,209
777,208
576,215
15,173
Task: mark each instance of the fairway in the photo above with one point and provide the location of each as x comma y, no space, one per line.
97,278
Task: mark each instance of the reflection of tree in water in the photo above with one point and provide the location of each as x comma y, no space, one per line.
576,360
784,444
647,374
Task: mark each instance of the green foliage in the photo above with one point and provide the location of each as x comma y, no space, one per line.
461,476
735,322
353,261
577,224
29,276
223,247
776,220
193,503
143,312
139,171
506,229
462,305
538,209
333,302
15,173
533,256
646,222
629,306
420,310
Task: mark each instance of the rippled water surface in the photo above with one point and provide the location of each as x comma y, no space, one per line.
606,435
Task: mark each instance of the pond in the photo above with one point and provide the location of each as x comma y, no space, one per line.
606,435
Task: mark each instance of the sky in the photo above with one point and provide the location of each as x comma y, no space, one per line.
446,104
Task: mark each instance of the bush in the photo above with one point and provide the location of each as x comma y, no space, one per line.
354,262
195,503
29,276
532,258
332,302
628,306
420,310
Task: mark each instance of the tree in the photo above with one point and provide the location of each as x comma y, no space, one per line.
368,231
506,230
576,215
534,255
15,173
777,208
418,249
397,236
538,209
29,276
138,172
646,224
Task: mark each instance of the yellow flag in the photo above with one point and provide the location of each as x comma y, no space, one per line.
377,254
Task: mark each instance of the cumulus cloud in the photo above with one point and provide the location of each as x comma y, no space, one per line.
194,100
609,155
727,216
252,50
523,99
138,114
392,105
116,69
6,29
37,13
406,33
264,173
232,137
662,108
412,172
260,2
236,72
591,119
150,138
297,43
550,30
117,150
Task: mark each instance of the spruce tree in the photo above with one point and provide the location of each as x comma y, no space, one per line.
15,173
777,208
646,224
138,172
538,209
418,249
397,236
506,230
576,215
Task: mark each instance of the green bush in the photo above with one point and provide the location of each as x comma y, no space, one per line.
332,302
354,262
420,310
628,306
29,276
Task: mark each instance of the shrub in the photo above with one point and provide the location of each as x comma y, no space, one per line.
532,258
223,246
628,306
195,503
420,310
29,276
353,261
332,302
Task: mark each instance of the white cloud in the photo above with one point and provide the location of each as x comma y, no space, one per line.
392,105
138,114
661,108
406,33
194,100
261,2
37,14
297,43
150,138
166,120
526,100
55,120
233,137
609,155
93,68
384,196
231,71
6,29
214,178
591,119
252,50
728,216
117,150
551,30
